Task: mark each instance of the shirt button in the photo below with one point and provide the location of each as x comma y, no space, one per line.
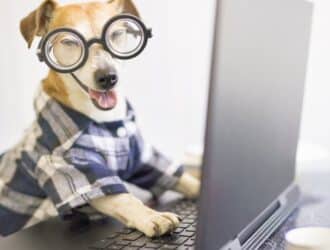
121,132
131,127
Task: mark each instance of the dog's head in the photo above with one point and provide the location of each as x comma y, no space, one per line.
99,75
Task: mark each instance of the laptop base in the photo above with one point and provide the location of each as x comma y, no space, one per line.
254,235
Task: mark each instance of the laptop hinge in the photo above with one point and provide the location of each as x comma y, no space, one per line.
249,231
233,245
270,219
267,222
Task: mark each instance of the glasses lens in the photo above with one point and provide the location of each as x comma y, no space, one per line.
64,50
125,37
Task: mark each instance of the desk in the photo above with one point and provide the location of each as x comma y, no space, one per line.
313,210
55,235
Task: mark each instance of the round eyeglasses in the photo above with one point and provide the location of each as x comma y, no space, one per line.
65,50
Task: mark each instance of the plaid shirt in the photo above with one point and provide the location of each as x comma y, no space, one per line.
66,159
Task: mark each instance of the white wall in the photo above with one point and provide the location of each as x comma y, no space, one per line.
168,83
314,148
316,119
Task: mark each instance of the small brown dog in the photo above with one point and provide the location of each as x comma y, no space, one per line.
94,93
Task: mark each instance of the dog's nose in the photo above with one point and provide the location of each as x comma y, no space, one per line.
106,79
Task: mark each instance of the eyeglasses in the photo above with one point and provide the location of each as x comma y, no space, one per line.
65,50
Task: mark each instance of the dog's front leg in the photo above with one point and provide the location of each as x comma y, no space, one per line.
188,185
133,213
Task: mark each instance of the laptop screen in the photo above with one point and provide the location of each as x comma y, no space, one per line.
260,57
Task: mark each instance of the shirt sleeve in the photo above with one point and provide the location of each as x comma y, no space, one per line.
76,179
156,172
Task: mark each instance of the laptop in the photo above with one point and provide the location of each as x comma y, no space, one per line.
259,59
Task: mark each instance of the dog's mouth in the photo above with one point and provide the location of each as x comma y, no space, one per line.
104,100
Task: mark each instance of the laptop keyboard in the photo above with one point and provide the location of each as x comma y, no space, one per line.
183,238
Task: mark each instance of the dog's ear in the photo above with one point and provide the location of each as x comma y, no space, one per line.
126,6
36,23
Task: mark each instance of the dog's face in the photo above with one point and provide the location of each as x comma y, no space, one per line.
100,73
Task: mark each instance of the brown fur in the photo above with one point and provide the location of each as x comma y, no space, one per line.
54,87
88,18
36,23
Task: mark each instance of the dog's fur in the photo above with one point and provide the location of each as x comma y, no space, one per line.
89,19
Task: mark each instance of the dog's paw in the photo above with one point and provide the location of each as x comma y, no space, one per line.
193,191
189,186
157,223
134,214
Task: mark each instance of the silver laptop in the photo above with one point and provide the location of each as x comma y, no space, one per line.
255,103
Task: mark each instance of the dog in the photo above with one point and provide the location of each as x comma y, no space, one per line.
54,170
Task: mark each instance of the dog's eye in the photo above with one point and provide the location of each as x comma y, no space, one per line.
117,34
70,42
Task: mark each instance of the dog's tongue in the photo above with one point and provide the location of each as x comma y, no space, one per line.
106,100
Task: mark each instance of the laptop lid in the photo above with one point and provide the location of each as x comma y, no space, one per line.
255,103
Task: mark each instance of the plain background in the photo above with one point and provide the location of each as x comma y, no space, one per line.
168,83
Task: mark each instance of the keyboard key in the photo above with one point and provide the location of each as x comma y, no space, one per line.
102,244
132,236
184,213
168,247
158,240
185,248
180,240
152,245
139,243
184,225
178,230
191,229
190,243
189,221
115,247
187,234
122,242
126,231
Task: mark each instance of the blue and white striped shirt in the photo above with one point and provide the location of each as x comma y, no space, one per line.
66,159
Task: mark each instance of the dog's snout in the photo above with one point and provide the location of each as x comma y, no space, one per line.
106,79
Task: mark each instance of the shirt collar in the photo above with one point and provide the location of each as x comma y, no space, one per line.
70,120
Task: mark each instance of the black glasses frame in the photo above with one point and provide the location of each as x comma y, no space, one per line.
87,44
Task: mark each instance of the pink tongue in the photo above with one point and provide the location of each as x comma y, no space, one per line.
105,100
